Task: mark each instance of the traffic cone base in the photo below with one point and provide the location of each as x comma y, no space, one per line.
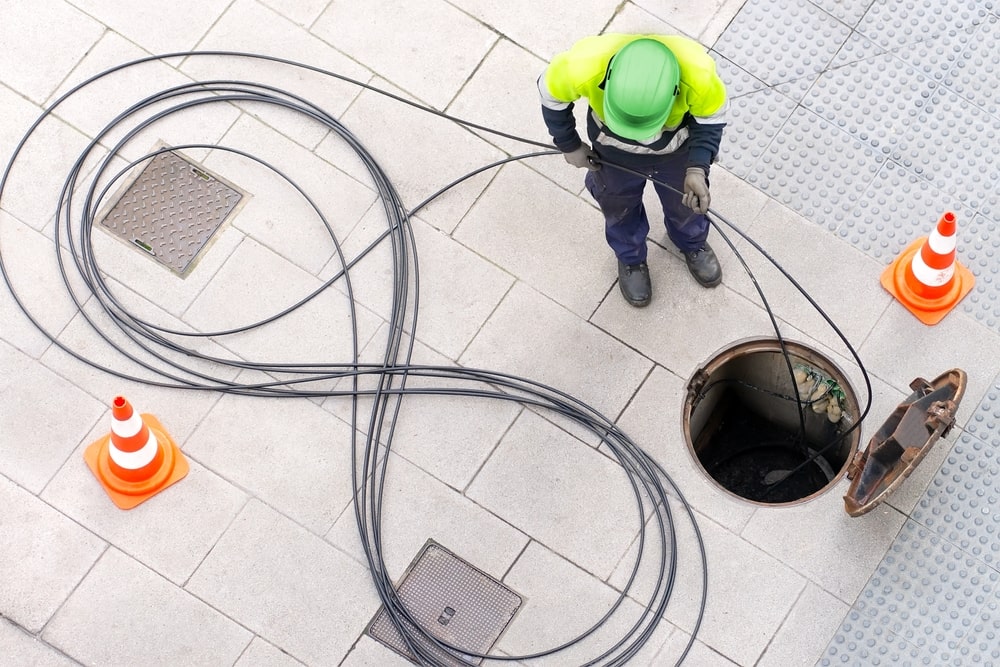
127,494
927,310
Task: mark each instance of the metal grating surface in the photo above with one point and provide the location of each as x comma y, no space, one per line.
171,210
459,604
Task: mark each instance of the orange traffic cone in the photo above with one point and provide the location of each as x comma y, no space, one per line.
137,460
926,278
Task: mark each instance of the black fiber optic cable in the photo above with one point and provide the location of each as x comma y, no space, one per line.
172,364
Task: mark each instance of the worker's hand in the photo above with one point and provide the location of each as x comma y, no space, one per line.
696,195
583,157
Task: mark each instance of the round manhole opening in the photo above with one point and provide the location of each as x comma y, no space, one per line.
752,436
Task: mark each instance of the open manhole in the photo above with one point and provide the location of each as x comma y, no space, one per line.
455,602
750,434
171,210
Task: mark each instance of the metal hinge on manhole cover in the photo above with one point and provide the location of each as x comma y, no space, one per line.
172,210
457,603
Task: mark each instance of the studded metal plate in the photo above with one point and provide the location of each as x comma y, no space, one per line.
459,604
171,210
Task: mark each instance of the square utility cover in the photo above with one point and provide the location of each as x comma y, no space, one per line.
452,600
172,210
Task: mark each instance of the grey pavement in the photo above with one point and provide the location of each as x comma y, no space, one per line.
854,125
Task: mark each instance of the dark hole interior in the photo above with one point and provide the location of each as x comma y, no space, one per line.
750,455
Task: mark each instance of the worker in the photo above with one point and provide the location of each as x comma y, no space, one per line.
657,107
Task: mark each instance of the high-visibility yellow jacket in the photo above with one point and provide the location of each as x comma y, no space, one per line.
695,123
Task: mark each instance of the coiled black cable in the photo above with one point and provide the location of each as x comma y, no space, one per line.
159,351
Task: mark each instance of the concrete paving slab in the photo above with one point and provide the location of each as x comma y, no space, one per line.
23,649
276,214
796,245
699,653
417,507
91,107
262,654
558,350
450,437
23,246
39,429
32,190
430,155
884,352
238,29
661,331
299,616
19,115
170,533
562,492
292,461
964,592
54,28
122,609
820,540
406,35
515,232
257,284
519,21
554,588
743,582
458,288
44,556
803,636
157,32
959,502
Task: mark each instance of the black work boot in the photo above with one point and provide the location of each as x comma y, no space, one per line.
704,266
633,280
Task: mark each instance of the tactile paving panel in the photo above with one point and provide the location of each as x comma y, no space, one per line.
875,100
962,503
171,210
931,594
754,120
898,208
979,245
848,11
897,23
857,47
862,642
738,81
779,41
976,75
953,145
816,169
459,604
936,55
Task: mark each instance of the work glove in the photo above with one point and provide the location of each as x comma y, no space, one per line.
582,157
696,195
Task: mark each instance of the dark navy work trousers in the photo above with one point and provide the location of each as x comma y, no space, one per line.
619,194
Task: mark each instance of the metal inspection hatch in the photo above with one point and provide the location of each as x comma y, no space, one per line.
455,602
172,210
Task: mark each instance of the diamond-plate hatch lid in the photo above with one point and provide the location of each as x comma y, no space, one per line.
457,603
171,210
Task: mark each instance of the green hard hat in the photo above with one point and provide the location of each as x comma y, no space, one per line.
640,89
